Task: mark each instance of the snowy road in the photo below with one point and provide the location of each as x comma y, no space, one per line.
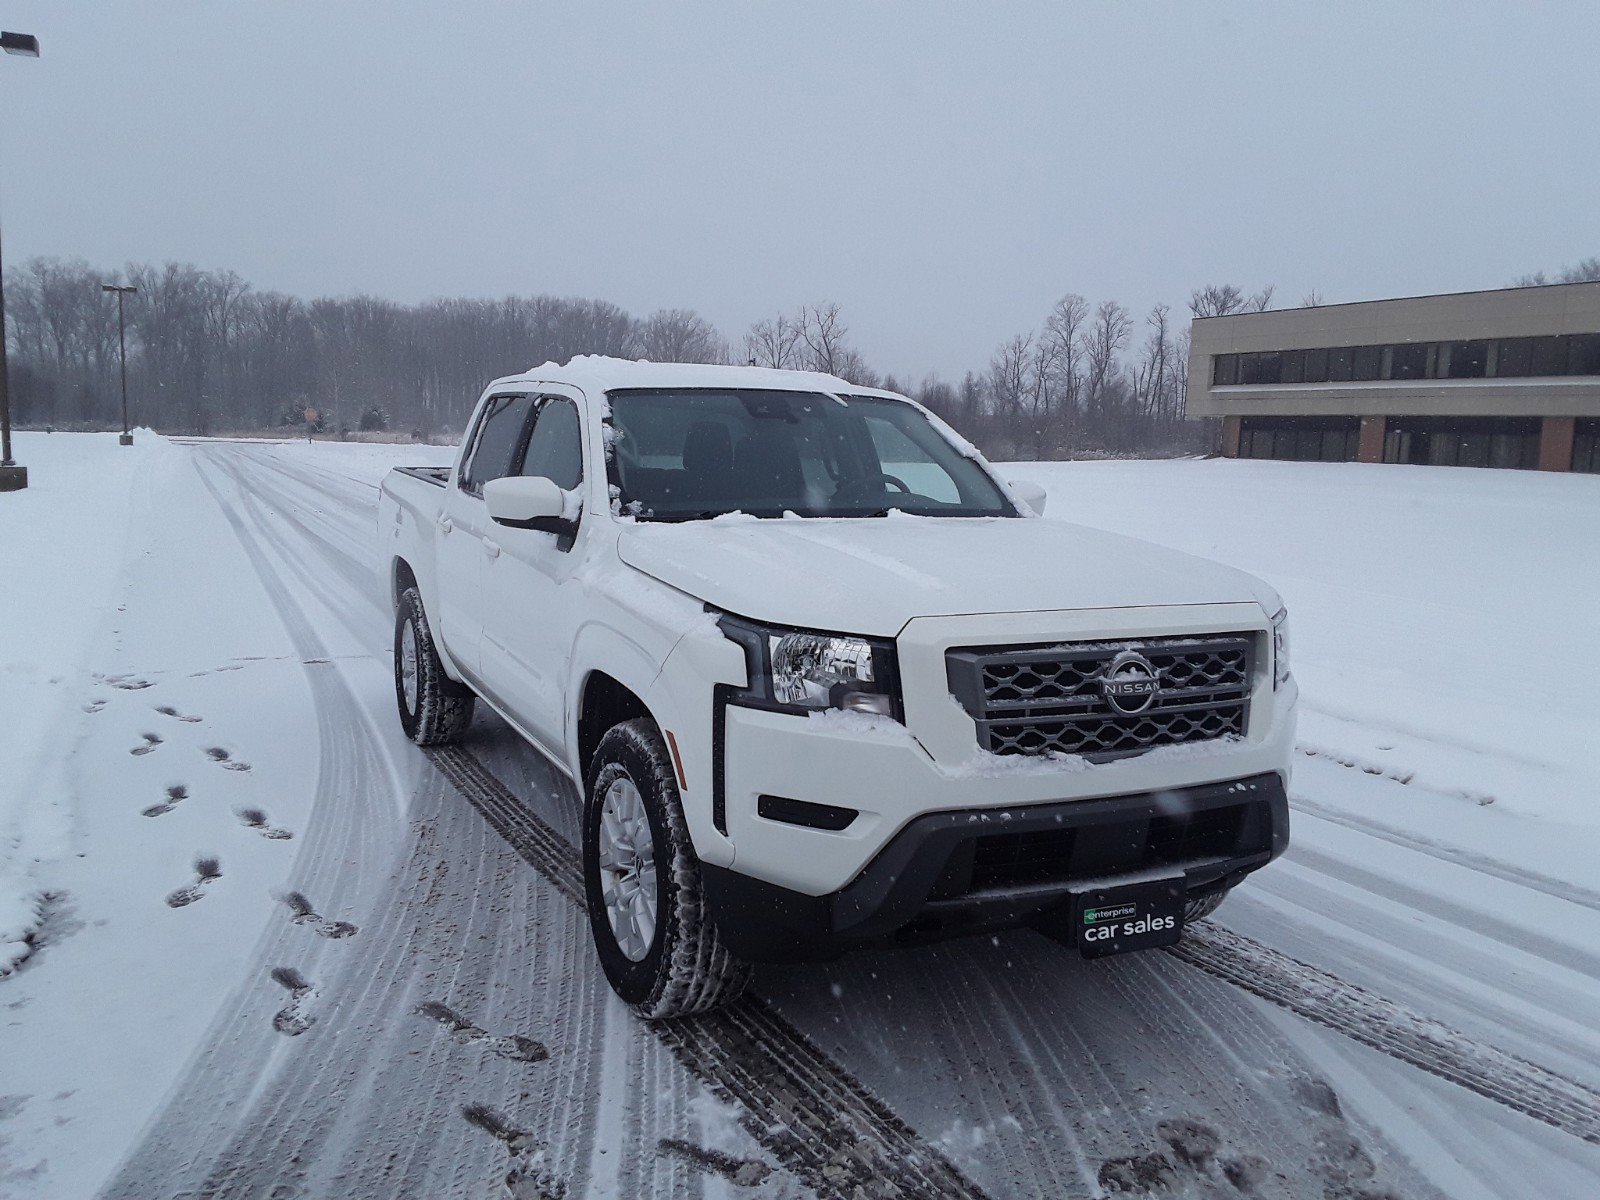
1403,1006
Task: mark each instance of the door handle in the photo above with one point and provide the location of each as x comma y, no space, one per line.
491,547
446,524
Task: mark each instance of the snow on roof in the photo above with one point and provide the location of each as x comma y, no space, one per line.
595,373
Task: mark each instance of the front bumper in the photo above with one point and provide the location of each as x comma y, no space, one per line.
964,871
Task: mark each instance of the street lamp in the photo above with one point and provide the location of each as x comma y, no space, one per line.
12,477
122,345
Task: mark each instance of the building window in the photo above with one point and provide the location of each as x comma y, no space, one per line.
1583,354
1261,368
1550,356
1409,362
1224,370
1469,360
1341,364
1300,439
1515,358
1294,366
1316,364
1586,447
1368,363
1507,442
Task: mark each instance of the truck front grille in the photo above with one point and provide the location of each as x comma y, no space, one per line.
1039,699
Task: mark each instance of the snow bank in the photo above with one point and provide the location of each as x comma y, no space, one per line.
1444,618
62,544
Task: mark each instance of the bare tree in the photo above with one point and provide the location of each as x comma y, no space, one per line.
823,336
1312,299
1104,341
771,342
681,335
1218,300
1584,271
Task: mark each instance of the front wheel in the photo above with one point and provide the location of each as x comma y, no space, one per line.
1199,910
658,944
434,709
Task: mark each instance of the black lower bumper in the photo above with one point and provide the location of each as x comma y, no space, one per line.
971,870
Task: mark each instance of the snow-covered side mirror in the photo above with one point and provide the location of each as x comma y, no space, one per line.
528,502
1030,494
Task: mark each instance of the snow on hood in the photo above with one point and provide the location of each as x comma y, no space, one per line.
872,575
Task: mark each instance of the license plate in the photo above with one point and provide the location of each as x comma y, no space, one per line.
1129,916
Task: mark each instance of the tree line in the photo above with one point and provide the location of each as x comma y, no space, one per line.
207,353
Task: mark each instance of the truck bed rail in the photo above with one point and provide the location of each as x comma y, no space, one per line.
438,476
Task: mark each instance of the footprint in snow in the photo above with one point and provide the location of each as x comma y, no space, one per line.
166,710
304,914
527,1179
129,683
462,1031
291,1020
254,818
94,706
207,871
151,741
218,755
741,1172
176,793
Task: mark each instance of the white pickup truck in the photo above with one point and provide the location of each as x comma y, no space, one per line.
823,678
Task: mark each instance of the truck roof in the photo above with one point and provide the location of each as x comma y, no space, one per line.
595,373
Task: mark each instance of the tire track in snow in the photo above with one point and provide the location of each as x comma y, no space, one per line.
1559,888
1398,1032
804,1108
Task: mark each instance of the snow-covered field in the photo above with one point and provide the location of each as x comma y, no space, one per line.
264,947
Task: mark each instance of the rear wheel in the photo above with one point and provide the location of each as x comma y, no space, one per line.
658,944
434,709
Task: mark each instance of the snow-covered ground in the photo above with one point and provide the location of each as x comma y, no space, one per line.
193,664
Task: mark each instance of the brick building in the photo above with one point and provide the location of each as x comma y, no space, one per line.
1507,378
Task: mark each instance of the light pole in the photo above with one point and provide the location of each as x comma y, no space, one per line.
122,290
12,477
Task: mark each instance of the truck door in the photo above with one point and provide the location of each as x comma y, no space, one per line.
496,441
531,601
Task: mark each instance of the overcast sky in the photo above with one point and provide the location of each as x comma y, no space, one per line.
944,171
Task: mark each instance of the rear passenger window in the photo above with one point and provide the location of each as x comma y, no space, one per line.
502,432
555,448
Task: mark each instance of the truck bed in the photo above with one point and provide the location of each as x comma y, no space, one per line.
438,476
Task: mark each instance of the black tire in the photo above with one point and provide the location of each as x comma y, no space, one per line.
687,969
440,709
1199,910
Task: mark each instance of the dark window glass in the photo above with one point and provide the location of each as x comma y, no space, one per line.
1550,355
1341,364
555,448
1409,361
1333,446
1586,448
1261,368
1469,360
1515,358
1367,362
501,434
1316,368
1225,370
1474,450
1294,366
1583,354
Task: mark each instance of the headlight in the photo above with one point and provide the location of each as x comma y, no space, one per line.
797,670
1280,649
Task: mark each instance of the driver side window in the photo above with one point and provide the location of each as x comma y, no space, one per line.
502,433
910,463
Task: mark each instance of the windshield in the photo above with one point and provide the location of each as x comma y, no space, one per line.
681,455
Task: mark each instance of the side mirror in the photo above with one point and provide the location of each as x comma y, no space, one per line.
1029,493
528,502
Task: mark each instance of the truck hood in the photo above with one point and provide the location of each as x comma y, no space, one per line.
871,576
